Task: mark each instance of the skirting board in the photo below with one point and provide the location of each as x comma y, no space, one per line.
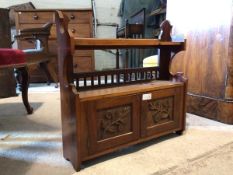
216,109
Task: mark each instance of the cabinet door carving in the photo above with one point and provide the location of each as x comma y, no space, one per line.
113,122
161,112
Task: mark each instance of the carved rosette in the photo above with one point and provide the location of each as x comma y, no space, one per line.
160,110
113,122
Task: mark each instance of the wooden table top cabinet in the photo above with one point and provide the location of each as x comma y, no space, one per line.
80,24
208,59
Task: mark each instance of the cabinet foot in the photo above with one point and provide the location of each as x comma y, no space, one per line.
180,132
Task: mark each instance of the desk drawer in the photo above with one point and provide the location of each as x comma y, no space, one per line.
81,30
35,17
79,17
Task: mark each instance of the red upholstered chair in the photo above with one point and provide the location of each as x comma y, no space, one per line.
16,59
21,59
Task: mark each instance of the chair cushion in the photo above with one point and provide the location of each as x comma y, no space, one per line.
11,57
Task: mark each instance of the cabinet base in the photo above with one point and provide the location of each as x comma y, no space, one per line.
217,109
180,132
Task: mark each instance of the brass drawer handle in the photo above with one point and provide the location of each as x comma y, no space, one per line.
72,17
73,30
36,17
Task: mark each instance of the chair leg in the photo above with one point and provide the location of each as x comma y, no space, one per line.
50,72
25,83
18,80
44,67
53,73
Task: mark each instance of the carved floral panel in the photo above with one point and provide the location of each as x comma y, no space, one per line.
160,111
113,122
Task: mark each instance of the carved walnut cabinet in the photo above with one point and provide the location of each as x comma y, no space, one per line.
123,106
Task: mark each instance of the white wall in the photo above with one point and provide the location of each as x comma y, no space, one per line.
106,13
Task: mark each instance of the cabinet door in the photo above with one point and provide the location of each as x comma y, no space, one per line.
161,112
112,122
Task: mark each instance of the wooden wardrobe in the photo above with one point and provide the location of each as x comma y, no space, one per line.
208,59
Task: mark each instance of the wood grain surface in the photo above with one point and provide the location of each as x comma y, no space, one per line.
208,59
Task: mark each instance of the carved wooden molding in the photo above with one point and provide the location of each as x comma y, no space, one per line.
202,106
161,109
113,122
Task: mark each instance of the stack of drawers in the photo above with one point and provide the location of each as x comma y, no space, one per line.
80,24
